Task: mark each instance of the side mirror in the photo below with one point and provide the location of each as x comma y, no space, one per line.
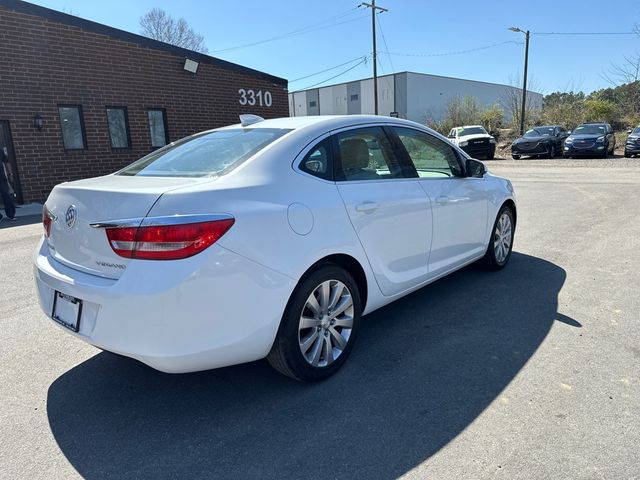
629,131
475,169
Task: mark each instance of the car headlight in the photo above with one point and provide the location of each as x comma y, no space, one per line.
463,143
600,139
568,141
492,140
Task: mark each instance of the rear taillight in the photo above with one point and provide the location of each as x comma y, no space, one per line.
47,220
166,242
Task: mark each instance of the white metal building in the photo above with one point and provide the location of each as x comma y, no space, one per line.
416,96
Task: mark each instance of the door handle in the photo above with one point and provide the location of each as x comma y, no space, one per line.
367,207
442,200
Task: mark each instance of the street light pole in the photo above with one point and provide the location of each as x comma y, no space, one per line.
524,82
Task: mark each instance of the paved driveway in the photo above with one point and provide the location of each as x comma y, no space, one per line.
532,372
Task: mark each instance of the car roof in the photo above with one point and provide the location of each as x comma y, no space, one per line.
330,122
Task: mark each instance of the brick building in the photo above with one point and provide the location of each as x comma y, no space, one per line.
80,99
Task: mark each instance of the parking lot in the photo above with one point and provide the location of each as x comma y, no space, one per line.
530,372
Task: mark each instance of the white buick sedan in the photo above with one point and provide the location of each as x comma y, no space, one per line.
270,238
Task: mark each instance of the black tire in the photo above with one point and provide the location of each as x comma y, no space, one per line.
627,155
489,260
491,155
515,157
286,355
552,151
606,151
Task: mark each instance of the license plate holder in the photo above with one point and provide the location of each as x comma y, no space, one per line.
67,311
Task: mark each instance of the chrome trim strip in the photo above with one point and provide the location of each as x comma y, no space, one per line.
163,220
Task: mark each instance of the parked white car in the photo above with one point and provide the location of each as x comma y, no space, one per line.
266,239
474,140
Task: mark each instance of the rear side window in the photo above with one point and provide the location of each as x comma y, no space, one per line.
318,161
366,154
205,154
431,157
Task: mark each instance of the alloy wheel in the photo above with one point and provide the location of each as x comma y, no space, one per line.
502,238
326,322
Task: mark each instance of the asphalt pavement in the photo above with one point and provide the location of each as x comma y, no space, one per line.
532,372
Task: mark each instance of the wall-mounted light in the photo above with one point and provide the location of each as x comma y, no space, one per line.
38,121
190,65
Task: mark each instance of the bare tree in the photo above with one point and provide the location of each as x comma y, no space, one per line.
628,71
511,101
159,25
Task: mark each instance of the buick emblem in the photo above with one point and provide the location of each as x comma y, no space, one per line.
70,216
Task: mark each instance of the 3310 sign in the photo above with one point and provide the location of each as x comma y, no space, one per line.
251,97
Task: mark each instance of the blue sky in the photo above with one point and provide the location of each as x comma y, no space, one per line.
417,31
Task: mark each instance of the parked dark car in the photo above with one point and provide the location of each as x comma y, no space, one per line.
590,139
632,145
546,141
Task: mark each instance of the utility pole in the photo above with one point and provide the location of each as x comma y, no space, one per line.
524,82
373,8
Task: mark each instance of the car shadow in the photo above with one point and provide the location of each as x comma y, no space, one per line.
423,369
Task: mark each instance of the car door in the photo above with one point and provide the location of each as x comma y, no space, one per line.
458,203
388,209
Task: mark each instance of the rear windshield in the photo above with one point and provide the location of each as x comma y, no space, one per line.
205,154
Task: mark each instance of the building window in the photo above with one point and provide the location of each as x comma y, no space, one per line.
354,97
158,127
118,122
312,104
72,123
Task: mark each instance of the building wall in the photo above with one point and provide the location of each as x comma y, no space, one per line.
44,63
345,99
418,97
429,95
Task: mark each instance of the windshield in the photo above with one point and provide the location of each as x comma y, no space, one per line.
462,131
590,130
539,132
204,154
636,131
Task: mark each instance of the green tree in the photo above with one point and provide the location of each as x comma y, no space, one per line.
598,110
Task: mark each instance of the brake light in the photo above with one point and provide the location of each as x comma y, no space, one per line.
47,220
166,242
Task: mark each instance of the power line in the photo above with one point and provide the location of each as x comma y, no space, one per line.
309,28
584,33
458,52
327,69
384,40
364,60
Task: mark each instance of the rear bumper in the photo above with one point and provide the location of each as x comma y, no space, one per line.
208,311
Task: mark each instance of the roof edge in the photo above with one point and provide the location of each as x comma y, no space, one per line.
89,25
409,72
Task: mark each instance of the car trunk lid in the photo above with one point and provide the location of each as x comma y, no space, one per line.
75,206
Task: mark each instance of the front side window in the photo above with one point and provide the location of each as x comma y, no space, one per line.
431,157
317,162
205,154
72,123
118,127
366,154
158,127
